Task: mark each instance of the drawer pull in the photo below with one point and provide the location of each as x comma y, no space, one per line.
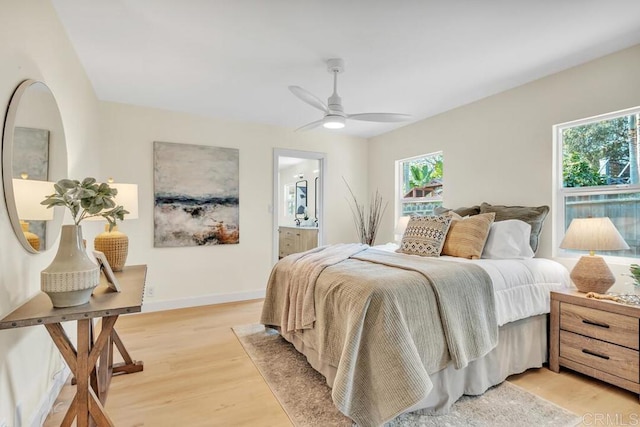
591,322
602,356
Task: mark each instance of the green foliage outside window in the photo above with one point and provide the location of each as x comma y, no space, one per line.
600,153
578,172
423,171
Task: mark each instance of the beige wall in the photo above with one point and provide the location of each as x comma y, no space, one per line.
34,45
210,274
499,149
108,139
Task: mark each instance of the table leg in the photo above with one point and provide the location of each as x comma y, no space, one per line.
86,405
83,372
129,366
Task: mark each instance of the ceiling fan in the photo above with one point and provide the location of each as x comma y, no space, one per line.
334,115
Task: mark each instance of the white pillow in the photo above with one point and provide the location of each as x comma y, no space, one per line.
508,239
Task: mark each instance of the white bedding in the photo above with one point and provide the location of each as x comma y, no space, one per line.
521,286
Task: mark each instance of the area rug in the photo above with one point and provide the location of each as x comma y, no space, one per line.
306,398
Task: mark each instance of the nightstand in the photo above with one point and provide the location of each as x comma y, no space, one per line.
598,338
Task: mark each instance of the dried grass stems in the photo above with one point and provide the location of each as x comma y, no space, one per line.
367,220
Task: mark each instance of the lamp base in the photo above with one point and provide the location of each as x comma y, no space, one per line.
592,274
32,238
115,246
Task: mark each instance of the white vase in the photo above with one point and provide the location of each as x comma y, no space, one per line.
71,276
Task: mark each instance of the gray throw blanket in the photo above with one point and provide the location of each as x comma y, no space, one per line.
386,328
467,309
302,271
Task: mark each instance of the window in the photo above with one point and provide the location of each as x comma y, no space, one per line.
597,174
419,188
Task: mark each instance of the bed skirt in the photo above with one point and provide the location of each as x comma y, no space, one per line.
521,345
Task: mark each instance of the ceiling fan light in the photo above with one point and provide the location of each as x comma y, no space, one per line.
333,122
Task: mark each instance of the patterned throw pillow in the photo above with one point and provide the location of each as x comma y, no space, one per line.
467,236
425,235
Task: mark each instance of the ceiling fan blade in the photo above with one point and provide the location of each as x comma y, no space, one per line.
380,117
310,125
309,98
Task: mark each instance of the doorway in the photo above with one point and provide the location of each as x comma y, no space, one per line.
298,201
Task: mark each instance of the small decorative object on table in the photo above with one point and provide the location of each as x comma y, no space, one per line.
113,242
72,276
634,269
108,272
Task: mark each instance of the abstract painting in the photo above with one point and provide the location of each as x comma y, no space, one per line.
196,193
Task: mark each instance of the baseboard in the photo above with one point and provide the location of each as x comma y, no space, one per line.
150,306
47,401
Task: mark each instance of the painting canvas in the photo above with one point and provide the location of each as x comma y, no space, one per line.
31,157
196,192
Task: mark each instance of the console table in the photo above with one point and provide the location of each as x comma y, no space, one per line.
92,361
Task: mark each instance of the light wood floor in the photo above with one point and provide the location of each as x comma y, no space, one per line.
196,373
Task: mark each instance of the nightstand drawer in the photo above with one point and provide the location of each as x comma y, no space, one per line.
610,358
602,325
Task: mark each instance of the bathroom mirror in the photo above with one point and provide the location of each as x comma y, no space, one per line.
316,190
34,155
301,199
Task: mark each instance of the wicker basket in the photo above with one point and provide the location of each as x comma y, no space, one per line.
115,246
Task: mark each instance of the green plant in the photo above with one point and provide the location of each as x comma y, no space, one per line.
86,199
424,173
579,173
635,272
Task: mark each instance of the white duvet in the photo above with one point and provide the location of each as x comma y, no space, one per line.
521,286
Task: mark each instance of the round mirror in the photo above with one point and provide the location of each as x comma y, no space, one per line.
34,155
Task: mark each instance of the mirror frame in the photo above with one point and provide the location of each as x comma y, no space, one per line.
306,201
7,166
315,205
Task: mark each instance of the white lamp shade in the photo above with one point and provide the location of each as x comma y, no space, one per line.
127,197
28,194
401,226
593,234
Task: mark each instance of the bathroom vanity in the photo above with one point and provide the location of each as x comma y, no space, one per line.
296,239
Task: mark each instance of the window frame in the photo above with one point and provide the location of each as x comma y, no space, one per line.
560,192
399,182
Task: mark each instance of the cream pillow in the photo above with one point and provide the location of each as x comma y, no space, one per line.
425,235
508,239
467,236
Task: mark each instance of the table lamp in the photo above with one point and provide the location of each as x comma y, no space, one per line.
591,273
115,244
28,195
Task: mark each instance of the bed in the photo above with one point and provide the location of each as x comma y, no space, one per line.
393,332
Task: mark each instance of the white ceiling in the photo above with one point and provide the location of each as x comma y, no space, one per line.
234,59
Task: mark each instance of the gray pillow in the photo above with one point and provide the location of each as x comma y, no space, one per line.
533,216
473,210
